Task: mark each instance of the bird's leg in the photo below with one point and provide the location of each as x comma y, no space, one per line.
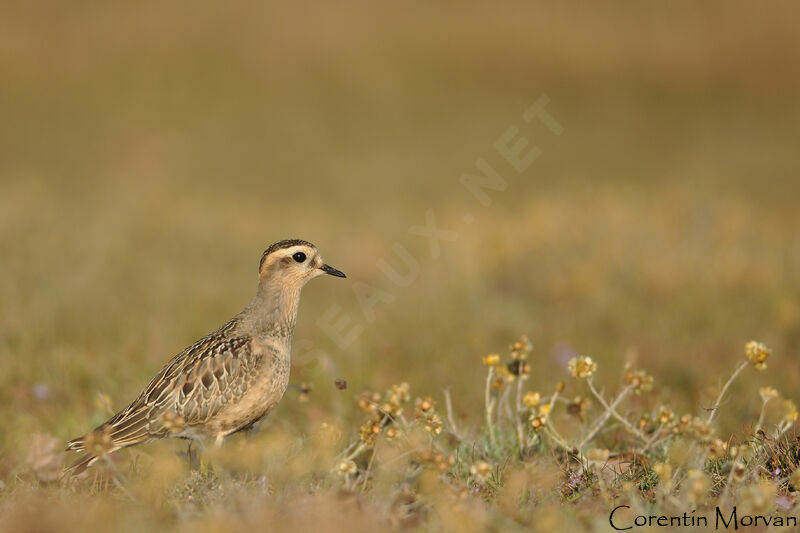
191,454
191,457
206,467
252,431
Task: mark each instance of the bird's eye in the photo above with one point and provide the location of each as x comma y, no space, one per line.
299,257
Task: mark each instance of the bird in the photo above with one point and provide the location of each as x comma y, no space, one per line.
228,380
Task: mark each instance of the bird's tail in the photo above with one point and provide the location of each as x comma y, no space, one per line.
125,429
79,467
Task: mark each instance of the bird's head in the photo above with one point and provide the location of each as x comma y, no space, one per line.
292,263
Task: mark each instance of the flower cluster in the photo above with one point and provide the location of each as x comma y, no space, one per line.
519,353
790,411
538,410
517,367
481,470
538,413
493,359
701,430
521,348
665,416
521,423
437,460
383,410
697,485
757,353
639,379
582,367
578,407
767,393
531,399
425,413
347,468
717,449
683,425
385,413
537,422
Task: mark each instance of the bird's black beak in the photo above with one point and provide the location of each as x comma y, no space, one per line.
332,271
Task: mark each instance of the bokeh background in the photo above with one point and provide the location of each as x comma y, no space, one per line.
149,152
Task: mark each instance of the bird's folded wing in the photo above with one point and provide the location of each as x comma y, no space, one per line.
195,386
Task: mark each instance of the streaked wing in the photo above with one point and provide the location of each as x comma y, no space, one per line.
195,386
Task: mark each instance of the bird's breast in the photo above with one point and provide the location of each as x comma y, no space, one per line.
266,384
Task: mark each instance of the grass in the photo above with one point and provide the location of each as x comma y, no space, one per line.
414,464
148,154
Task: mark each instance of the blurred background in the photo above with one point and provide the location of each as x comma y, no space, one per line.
150,152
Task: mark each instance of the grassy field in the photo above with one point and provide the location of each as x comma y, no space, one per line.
149,153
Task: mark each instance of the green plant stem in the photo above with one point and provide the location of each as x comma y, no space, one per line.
489,401
605,416
761,415
520,435
630,427
718,402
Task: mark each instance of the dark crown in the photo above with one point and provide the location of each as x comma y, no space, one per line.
280,245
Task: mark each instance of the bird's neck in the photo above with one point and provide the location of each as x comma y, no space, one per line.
273,312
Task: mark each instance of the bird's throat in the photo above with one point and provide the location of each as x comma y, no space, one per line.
273,312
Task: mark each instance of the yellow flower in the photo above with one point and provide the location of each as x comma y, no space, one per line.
544,410
492,359
521,348
498,383
697,486
739,472
400,393
424,405
663,470
368,402
641,380
717,449
701,430
531,399
433,425
443,462
481,470
347,468
439,460
790,411
665,415
767,394
538,422
757,353
683,424
369,432
582,367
